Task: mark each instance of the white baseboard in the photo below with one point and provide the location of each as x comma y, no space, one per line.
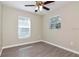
1,52
76,52
67,49
20,44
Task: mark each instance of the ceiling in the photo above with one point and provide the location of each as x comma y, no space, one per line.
20,5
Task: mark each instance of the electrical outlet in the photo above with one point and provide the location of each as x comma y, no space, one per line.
71,43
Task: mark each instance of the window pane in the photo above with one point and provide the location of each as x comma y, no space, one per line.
24,27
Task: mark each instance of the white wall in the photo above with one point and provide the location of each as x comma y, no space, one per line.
10,23
0,28
68,35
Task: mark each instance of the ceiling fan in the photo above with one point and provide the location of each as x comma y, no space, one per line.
40,5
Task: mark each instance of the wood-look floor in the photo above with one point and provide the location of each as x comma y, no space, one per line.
39,49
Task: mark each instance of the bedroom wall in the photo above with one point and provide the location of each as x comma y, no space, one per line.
10,23
0,28
68,35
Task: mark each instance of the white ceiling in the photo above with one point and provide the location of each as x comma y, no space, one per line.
20,5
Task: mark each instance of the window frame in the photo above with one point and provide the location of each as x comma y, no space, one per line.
29,35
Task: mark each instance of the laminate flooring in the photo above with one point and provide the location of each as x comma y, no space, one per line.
39,49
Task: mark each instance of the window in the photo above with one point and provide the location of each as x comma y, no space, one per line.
24,27
55,22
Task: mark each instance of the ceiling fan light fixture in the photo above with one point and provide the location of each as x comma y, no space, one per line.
41,8
36,8
40,5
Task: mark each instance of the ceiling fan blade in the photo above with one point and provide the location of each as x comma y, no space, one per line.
46,8
29,5
47,2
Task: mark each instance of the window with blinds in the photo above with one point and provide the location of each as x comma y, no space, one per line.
24,27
